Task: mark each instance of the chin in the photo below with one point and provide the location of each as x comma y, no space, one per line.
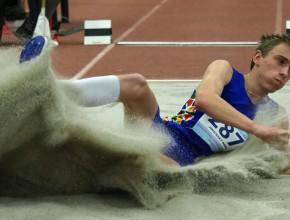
275,88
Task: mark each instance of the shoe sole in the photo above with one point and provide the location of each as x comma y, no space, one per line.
32,49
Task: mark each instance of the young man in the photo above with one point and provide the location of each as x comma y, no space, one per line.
219,115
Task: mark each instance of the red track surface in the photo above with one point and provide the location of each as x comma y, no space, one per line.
167,20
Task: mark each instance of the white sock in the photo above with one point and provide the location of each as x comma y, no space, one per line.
98,91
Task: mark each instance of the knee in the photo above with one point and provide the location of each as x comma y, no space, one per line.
138,86
137,81
133,87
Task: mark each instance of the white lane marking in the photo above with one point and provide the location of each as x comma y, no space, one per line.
193,43
279,11
107,49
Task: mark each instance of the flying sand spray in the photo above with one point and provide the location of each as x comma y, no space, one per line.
50,145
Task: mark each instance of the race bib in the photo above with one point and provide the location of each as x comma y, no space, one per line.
218,136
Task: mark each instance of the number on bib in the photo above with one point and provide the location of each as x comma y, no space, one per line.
219,136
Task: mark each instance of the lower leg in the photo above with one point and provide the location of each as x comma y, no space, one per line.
97,91
25,31
34,10
50,7
131,89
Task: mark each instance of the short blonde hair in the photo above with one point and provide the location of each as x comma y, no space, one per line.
268,42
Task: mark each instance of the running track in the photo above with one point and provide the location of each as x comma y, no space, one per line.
167,21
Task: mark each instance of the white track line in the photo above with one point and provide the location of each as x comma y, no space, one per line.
173,80
279,11
194,43
107,49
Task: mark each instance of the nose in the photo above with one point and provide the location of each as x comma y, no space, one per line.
285,72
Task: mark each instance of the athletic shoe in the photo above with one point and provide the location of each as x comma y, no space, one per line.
32,49
25,32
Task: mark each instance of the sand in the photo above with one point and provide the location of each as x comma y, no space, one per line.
59,160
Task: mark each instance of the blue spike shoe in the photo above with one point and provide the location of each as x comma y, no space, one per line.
32,48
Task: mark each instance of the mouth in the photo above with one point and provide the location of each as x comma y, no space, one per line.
278,81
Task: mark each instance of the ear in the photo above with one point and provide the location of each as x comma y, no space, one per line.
257,57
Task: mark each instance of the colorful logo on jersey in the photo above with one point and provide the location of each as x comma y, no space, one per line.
186,113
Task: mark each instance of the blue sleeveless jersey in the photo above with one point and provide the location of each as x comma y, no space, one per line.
191,135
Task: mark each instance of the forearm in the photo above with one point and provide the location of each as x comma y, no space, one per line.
208,99
217,108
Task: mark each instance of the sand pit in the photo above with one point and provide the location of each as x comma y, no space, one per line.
59,160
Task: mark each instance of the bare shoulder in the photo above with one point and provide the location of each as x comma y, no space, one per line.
223,63
219,72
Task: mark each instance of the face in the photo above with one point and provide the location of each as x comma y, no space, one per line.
274,69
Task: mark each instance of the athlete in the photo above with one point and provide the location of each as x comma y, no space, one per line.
218,116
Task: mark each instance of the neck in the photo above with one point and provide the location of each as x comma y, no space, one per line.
253,95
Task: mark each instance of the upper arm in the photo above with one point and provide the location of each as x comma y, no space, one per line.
217,75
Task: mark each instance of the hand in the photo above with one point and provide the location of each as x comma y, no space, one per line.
272,134
275,135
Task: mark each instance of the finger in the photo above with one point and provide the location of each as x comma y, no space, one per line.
285,134
280,139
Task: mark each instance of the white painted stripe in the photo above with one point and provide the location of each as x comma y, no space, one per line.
188,80
288,25
107,49
194,43
278,24
173,80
